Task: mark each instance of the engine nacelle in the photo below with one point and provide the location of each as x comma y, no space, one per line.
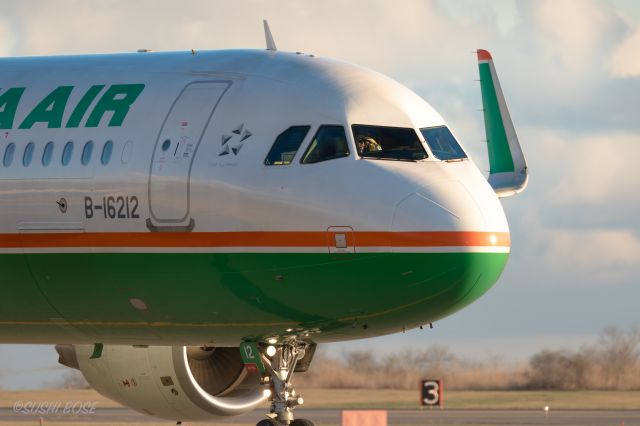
174,383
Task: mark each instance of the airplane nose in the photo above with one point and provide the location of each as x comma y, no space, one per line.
447,206
461,235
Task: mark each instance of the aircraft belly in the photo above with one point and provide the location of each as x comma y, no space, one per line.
220,298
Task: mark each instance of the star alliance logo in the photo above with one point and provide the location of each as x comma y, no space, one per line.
233,143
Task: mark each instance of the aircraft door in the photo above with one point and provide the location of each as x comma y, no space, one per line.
175,149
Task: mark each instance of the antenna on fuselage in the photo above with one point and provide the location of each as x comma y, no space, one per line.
271,45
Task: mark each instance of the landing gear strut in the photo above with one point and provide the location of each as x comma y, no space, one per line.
280,362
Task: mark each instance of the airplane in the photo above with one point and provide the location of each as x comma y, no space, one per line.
186,227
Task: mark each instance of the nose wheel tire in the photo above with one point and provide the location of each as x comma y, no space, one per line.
296,422
269,422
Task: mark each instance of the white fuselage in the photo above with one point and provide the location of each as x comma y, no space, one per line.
261,93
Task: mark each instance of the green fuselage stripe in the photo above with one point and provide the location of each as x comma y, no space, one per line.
201,297
500,159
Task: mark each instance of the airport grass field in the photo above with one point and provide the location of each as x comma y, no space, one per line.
394,399
490,400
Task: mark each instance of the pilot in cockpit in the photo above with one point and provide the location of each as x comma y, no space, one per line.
367,144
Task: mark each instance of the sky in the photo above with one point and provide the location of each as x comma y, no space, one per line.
570,71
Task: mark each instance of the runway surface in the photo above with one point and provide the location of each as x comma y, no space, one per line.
396,417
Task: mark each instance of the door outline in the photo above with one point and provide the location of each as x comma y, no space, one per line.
341,240
175,225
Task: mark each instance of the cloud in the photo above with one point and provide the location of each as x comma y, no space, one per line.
577,223
579,180
574,29
594,256
625,61
557,256
500,14
7,39
595,249
596,169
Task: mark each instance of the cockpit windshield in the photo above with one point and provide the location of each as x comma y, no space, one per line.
388,143
442,143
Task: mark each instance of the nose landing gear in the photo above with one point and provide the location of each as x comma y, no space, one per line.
280,365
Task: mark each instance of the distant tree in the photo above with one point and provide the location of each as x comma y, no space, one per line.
435,361
614,362
619,354
361,361
560,370
547,369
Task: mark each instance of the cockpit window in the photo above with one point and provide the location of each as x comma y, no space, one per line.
388,143
286,146
442,143
329,142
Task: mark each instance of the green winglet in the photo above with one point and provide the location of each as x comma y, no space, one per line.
508,173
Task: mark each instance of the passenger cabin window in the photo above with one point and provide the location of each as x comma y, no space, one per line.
28,154
388,143
47,154
67,152
107,149
330,142
286,146
8,154
442,143
86,153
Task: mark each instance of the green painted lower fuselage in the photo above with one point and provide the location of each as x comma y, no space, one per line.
216,298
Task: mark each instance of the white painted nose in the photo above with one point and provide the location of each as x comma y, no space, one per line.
446,206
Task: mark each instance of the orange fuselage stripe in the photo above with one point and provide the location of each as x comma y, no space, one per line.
252,239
